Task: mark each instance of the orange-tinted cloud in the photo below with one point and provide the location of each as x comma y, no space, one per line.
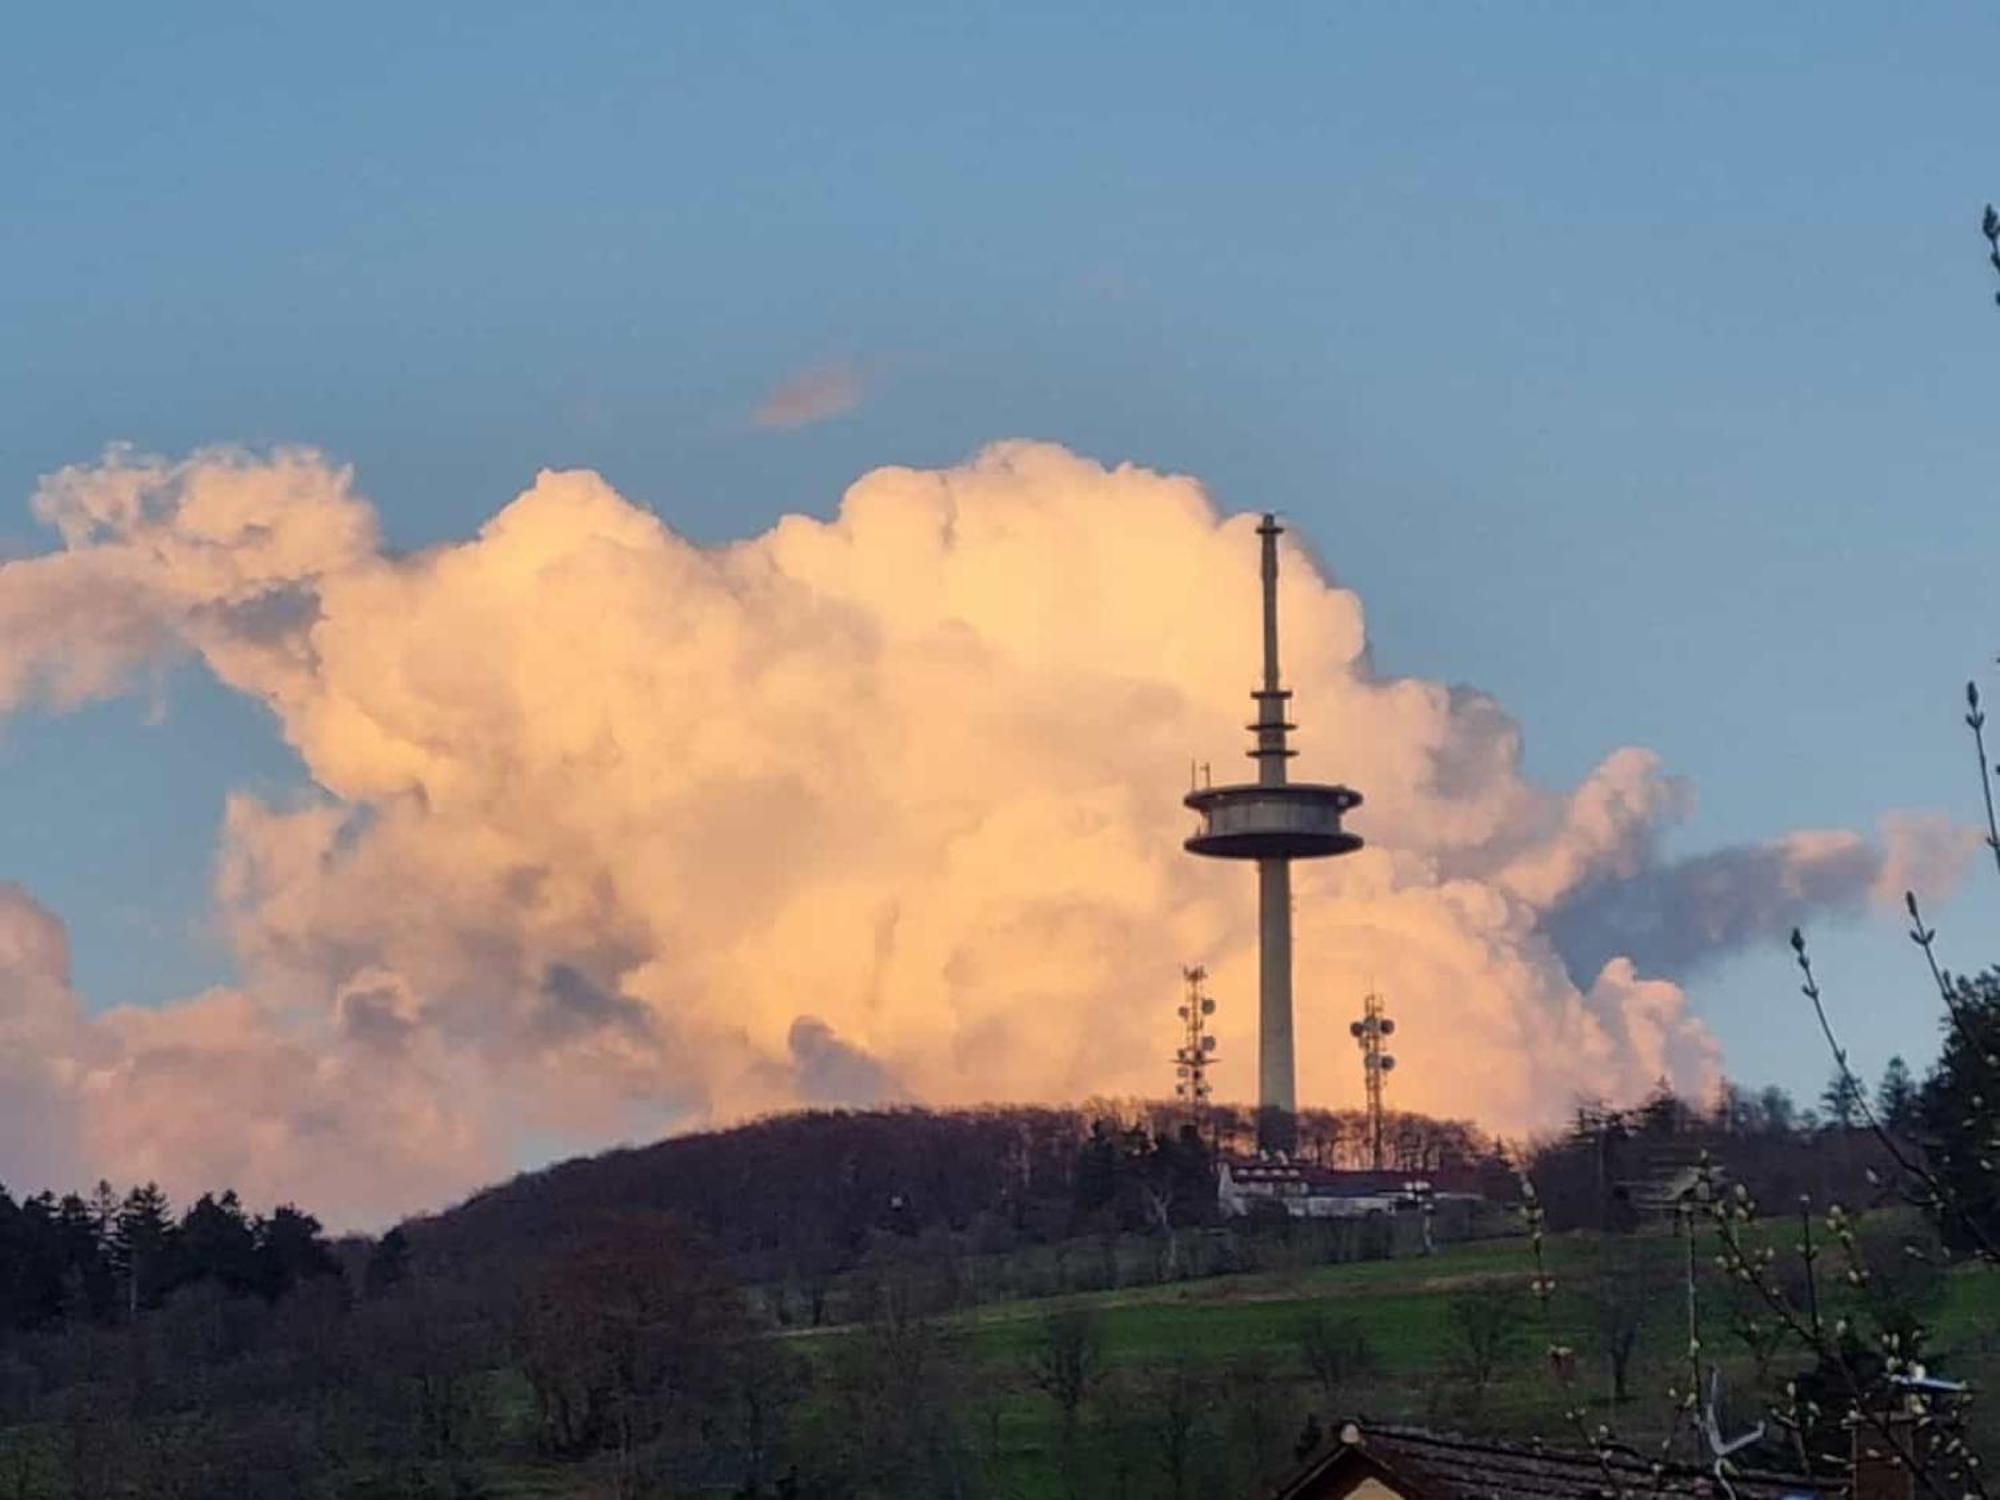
615,833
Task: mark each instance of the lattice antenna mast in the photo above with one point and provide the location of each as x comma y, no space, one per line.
1197,1046
1368,1034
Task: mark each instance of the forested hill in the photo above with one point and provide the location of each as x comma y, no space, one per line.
798,1188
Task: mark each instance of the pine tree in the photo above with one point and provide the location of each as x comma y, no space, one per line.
1896,1097
1842,1100
14,1264
41,1291
144,1240
1959,1110
84,1258
290,1248
219,1244
1781,1115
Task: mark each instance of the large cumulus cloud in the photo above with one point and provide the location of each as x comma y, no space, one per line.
612,833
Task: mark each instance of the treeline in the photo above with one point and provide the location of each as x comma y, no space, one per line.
1852,1146
107,1257
1608,1168
204,1351
796,1193
612,1321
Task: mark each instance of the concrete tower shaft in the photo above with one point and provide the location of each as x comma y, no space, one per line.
1273,821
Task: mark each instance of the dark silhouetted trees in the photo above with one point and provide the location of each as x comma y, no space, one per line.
1896,1096
106,1258
1959,1114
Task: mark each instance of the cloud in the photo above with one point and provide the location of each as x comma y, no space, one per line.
47,1050
1674,919
828,1071
611,833
812,395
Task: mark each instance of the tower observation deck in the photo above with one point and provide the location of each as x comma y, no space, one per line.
1273,821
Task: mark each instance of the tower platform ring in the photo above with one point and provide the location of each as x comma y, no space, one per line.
1292,820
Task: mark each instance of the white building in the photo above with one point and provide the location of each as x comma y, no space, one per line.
1307,1191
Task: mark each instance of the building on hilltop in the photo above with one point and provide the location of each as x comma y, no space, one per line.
1308,1191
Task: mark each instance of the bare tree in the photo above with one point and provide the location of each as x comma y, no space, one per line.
1066,1364
1625,1289
1175,1401
1335,1351
621,1334
1485,1327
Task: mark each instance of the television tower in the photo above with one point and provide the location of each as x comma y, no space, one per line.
1273,821
1368,1033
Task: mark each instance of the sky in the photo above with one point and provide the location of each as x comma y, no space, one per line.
1631,367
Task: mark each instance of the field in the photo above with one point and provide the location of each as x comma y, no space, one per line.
1214,1370
1239,1339
1197,1387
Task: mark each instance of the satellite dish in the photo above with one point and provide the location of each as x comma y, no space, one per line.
1354,1028
1388,1063
1207,1007
1182,1012
1387,1026
1208,1044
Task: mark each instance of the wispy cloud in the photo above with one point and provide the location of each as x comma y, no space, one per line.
813,394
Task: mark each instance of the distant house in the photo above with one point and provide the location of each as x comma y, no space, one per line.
1670,1181
1308,1191
1669,1189
1401,1463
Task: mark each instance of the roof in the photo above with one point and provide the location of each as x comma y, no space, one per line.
1432,1466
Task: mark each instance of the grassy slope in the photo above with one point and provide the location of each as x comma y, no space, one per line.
1250,1321
1405,1306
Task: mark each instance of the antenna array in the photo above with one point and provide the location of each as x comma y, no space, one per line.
1197,1049
1368,1033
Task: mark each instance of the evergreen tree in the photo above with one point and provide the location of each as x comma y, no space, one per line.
388,1263
1734,1111
218,1243
83,1256
144,1240
1842,1100
14,1263
1959,1111
1663,1113
1781,1115
1096,1169
1896,1097
290,1249
41,1291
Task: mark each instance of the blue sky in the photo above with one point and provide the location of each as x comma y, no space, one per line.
1636,364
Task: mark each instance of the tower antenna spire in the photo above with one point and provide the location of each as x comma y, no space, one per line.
1272,751
1269,530
1273,821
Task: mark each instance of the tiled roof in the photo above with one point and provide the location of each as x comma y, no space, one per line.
1432,1466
